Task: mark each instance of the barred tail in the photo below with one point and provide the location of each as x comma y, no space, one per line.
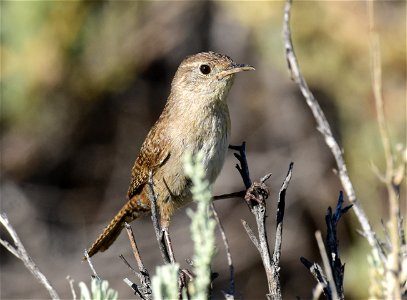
133,209
110,233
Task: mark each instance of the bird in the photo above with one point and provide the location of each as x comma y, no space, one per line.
195,118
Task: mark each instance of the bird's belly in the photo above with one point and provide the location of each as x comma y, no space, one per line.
214,150
207,134
212,138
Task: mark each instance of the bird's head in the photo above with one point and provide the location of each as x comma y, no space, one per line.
206,74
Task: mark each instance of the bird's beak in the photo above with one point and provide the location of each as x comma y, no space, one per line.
235,68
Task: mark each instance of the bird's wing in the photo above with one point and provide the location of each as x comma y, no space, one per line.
153,154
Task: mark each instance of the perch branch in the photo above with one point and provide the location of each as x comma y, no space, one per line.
256,195
231,291
168,244
143,275
230,195
136,252
159,234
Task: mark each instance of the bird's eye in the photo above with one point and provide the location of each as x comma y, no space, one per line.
205,69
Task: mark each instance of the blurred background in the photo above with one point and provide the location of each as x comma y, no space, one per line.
82,82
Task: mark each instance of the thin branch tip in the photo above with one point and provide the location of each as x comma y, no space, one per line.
325,129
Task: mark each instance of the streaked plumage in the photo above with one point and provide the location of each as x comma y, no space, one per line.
195,117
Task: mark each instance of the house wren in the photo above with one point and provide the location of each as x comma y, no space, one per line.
195,117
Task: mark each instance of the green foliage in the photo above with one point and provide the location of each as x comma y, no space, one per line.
165,282
202,226
377,276
99,291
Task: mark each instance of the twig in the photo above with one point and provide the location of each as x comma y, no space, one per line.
317,291
143,276
231,291
156,223
20,252
251,234
134,287
324,128
133,243
327,265
163,238
332,278
230,195
393,264
168,245
243,168
255,197
274,285
10,248
183,285
331,221
87,258
256,194
376,70
145,291
316,271
70,281
280,216
138,274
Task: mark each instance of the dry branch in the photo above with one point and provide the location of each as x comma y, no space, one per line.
325,129
331,278
145,291
19,251
394,257
87,258
159,233
230,293
256,195
280,216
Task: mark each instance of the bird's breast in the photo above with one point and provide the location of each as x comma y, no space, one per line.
207,130
215,145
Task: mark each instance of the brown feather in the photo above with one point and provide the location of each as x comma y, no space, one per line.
152,155
195,118
133,209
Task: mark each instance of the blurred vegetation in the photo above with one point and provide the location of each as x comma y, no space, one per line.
98,290
83,81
